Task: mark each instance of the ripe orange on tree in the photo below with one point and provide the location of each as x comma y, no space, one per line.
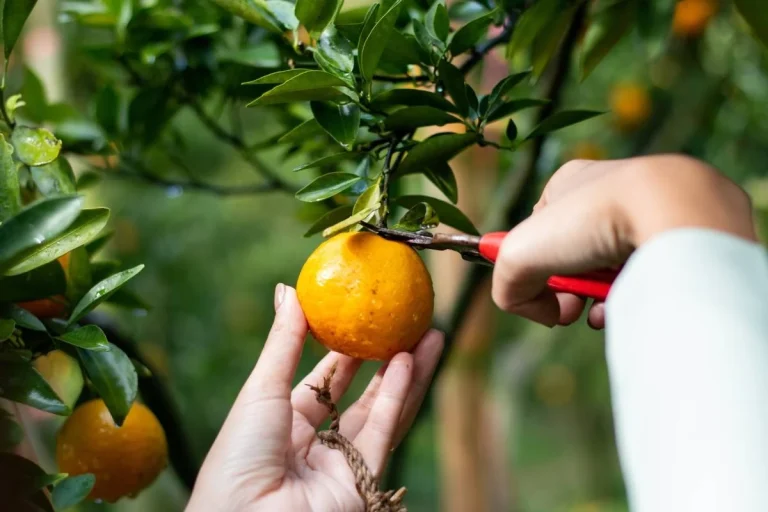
631,105
365,296
692,16
53,307
123,459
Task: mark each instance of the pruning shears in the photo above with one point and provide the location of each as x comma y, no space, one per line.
485,249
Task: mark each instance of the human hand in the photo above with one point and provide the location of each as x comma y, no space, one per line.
267,455
594,214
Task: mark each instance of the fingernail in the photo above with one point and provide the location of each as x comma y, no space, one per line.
279,295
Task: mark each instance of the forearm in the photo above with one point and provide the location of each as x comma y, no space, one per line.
687,334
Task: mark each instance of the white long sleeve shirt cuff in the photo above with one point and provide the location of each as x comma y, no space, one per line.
687,349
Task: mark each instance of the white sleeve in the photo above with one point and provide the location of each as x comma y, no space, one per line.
687,342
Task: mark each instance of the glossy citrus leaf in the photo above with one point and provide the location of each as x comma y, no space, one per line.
438,148
22,317
453,80
409,118
350,221
341,122
35,146
468,35
101,292
328,160
447,213
327,185
84,229
335,53
312,85
55,178
412,98
277,77
510,107
20,382
10,199
15,14
315,15
114,377
561,120
329,219
419,217
372,48
90,337
284,12
72,490
36,225
437,21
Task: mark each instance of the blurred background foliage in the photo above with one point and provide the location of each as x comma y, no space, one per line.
544,441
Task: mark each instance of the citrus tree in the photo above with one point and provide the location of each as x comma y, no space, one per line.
348,92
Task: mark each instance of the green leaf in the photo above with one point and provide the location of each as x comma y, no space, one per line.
369,21
88,179
453,80
11,433
306,130
412,98
284,12
15,14
311,85
329,219
420,217
327,185
533,22
371,49
55,178
114,378
35,146
335,53
546,44
605,30
72,490
328,160
341,122
402,51
350,221
277,77
22,317
35,225
32,91
79,277
512,106
45,281
437,21
90,337
10,198
108,110
315,15
432,49
7,326
141,370
511,130
438,148
84,229
409,118
561,120
447,213
99,242
756,16
101,292
370,198
20,382
504,87
441,175
467,36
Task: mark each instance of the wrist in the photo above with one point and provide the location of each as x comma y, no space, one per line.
671,192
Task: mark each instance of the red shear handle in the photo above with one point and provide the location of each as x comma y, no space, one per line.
592,285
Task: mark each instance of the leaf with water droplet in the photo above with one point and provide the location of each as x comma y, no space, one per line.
35,146
100,292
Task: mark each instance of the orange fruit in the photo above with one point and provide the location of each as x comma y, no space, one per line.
365,296
54,307
123,459
692,16
631,105
586,150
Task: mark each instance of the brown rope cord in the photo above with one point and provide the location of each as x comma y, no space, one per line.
367,486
